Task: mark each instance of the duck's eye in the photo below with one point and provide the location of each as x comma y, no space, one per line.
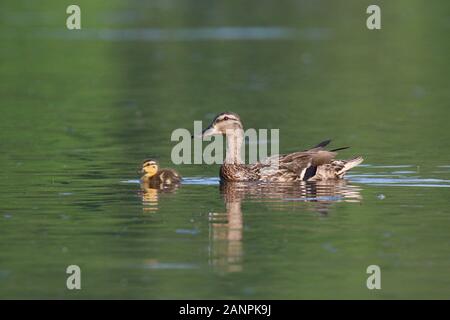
226,118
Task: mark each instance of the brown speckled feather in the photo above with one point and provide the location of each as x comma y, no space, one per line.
164,176
316,163
292,167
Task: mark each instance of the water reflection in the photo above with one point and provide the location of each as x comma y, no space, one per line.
225,235
150,195
226,229
223,33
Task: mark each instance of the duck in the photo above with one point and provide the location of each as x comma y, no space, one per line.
315,164
155,177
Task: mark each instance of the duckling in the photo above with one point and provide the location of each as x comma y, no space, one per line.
309,165
155,177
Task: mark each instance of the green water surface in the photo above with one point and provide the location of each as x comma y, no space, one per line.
79,110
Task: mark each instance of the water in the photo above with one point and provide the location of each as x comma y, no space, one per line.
79,111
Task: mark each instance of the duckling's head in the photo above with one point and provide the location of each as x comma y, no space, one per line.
224,123
149,167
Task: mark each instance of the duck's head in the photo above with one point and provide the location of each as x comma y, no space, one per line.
224,123
149,167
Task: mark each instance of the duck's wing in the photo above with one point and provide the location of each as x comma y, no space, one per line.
299,161
293,166
168,176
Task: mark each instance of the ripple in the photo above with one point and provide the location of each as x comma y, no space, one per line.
386,178
401,181
168,265
193,34
207,181
386,166
132,181
395,177
187,231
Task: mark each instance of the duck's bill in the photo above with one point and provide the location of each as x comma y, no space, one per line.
208,132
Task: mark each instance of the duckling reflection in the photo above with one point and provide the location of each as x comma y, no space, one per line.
155,181
226,229
150,196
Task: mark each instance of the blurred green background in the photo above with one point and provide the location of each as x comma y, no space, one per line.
81,109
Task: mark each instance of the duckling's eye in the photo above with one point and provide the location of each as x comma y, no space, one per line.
226,118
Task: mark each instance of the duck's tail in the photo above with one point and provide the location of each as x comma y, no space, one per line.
338,149
349,164
323,144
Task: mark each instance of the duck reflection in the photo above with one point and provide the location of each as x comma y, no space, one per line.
226,229
226,237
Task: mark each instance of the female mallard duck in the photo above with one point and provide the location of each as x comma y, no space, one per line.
155,177
308,165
